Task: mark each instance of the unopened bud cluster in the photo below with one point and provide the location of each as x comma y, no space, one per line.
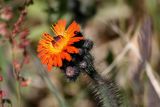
73,68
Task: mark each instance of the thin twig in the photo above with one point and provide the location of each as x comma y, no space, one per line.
16,77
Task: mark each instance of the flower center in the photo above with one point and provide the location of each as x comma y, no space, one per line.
58,44
56,39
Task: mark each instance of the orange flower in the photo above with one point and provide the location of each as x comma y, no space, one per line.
52,50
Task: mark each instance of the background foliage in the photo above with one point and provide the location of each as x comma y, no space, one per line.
126,48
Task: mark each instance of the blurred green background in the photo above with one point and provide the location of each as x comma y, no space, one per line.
111,24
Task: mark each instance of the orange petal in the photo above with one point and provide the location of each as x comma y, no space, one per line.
43,59
71,49
65,55
72,28
47,36
59,61
55,60
40,48
43,41
42,53
50,63
59,27
75,39
49,67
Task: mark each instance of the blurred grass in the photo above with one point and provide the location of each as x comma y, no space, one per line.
97,18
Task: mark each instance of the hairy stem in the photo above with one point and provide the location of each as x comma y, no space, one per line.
107,91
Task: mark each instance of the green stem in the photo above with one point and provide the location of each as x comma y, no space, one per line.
18,94
16,77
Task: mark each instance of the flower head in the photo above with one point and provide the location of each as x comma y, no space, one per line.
53,50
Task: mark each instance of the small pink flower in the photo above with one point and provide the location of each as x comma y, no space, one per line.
17,65
2,94
26,58
24,43
25,83
24,34
6,13
1,78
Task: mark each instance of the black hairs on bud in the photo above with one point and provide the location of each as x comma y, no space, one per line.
72,69
88,44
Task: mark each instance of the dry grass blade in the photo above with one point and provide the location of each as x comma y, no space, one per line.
152,78
143,53
117,59
144,39
144,42
123,52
